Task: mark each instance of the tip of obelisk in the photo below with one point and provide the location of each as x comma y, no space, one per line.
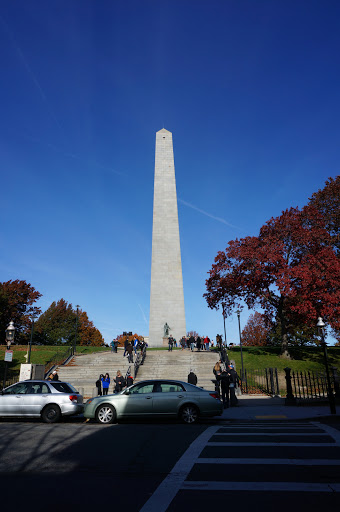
163,130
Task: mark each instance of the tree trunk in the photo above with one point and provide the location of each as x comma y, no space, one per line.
284,335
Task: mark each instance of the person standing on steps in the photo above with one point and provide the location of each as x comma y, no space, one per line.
99,385
192,378
106,383
120,382
170,343
129,350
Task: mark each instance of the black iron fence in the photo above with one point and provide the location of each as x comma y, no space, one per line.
311,386
264,381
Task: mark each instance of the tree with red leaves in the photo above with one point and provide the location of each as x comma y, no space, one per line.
327,202
290,270
256,331
17,300
88,334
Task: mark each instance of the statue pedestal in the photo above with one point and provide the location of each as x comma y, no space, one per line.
165,341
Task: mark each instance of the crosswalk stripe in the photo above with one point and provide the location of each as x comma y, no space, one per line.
271,434
291,462
268,444
261,486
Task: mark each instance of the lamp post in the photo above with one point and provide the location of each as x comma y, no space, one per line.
320,326
10,331
33,317
238,312
224,315
75,338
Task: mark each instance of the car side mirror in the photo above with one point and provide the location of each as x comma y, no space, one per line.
127,392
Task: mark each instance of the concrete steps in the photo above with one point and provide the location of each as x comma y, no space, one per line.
83,370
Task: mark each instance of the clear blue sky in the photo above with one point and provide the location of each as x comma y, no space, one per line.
250,91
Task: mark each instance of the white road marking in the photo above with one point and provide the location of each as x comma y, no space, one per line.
261,486
167,490
269,444
271,434
293,462
333,432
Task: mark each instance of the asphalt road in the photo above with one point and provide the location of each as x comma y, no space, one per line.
156,467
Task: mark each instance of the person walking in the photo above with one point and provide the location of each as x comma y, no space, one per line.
170,343
106,383
192,378
192,343
135,345
120,382
234,383
206,342
198,343
129,350
224,379
126,343
99,385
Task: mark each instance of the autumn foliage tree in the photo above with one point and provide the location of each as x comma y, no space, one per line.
290,270
88,334
17,300
57,325
256,331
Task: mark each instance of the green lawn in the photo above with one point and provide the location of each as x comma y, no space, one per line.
41,354
303,359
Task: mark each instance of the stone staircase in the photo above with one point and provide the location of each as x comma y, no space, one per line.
83,370
161,364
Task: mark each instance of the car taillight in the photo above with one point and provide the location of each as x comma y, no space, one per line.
214,395
73,398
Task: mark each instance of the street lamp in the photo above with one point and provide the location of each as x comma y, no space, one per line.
224,315
75,338
33,317
10,331
238,312
320,325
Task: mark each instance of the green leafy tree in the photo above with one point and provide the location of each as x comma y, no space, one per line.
56,325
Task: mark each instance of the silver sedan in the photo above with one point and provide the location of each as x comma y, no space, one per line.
39,398
161,398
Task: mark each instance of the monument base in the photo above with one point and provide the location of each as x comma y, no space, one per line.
165,341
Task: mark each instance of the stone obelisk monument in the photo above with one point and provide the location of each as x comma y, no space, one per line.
166,295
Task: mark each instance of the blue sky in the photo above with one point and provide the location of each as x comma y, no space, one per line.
250,91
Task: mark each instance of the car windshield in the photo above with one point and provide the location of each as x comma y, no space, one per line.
63,387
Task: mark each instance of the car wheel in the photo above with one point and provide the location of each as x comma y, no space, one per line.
189,413
51,414
105,414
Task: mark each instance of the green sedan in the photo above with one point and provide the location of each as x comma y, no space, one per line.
155,398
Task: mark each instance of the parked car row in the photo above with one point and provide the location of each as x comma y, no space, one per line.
51,400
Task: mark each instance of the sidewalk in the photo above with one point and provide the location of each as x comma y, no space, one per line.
268,408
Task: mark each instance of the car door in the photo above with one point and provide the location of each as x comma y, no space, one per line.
168,397
11,401
35,398
137,400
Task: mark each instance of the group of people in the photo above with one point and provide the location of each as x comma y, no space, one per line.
103,383
191,342
130,347
227,381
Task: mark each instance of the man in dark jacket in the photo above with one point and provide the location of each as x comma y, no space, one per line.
234,382
129,350
192,378
224,379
